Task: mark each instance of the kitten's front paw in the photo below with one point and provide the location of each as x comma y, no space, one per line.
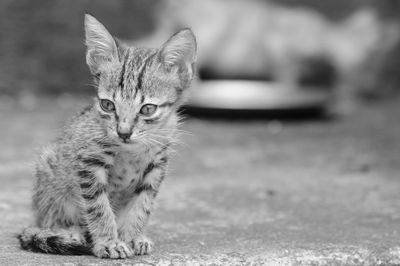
113,249
142,245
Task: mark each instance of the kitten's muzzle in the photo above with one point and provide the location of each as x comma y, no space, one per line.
124,133
124,136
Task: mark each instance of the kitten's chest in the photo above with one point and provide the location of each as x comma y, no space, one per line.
128,169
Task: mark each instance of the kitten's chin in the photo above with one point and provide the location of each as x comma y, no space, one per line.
133,145
126,142
130,142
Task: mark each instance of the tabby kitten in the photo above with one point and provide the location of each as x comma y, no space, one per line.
95,186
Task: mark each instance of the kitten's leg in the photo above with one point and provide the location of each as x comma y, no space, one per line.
99,215
133,218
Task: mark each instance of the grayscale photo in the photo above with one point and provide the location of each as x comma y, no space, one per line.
200,132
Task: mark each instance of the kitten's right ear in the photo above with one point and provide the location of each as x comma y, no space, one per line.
101,46
180,50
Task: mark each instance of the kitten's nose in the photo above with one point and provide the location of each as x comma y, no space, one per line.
124,132
124,136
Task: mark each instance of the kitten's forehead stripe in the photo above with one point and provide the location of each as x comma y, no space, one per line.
129,65
140,76
123,69
142,71
134,67
130,75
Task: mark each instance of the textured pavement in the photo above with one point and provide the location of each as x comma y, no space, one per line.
240,193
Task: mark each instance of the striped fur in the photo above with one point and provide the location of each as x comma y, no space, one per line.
55,242
95,189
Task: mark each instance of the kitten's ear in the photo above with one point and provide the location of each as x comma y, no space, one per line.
101,46
180,50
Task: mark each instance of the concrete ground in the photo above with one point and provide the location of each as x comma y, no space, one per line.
240,193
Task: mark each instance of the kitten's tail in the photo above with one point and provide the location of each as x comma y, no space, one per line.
56,242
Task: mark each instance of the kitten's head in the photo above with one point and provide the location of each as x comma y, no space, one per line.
139,90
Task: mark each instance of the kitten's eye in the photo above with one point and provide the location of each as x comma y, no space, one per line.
148,109
107,105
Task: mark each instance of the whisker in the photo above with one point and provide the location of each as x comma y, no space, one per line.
91,85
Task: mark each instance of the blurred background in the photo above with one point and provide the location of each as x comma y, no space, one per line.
351,45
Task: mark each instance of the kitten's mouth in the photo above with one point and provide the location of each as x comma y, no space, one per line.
128,141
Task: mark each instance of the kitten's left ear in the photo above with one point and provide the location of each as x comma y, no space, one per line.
180,51
101,46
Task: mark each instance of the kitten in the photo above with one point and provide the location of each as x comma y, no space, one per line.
95,186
